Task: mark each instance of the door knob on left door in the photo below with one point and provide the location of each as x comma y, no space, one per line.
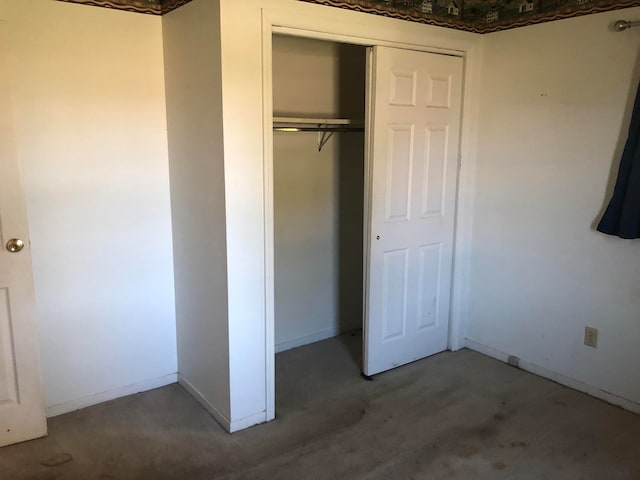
15,245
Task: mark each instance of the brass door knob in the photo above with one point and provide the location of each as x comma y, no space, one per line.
15,245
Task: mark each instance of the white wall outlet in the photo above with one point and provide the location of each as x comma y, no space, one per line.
591,337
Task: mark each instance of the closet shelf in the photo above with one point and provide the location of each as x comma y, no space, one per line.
295,124
325,127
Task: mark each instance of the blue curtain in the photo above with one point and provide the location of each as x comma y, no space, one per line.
622,217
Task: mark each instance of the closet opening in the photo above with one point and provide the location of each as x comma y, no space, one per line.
319,91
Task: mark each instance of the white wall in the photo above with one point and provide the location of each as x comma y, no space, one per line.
555,107
318,196
91,136
194,108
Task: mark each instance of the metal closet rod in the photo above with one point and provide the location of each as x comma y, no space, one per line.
622,25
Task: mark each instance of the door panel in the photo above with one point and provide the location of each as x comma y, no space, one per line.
398,188
8,374
22,414
394,294
403,88
429,286
414,129
433,191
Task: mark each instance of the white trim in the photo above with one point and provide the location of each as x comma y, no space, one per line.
250,421
462,240
364,41
224,422
89,401
269,241
557,377
366,227
307,339
209,407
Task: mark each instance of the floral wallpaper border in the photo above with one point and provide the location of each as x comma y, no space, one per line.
479,16
152,7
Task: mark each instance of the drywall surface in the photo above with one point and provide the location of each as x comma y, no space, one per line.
252,385
194,112
318,196
555,108
91,136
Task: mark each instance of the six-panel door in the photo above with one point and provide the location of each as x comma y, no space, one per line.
414,142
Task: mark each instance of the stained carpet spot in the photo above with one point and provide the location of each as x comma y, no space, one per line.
499,465
57,460
465,451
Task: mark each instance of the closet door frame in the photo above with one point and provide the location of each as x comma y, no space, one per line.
320,28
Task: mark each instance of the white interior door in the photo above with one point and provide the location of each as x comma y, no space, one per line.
414,127
22,414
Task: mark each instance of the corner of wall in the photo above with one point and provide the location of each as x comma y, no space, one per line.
191,37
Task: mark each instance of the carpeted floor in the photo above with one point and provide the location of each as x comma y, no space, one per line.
452,416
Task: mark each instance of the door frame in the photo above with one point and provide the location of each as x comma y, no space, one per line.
315,27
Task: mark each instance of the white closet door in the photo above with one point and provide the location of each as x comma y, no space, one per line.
22,414
414,140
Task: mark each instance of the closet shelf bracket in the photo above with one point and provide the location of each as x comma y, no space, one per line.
323,138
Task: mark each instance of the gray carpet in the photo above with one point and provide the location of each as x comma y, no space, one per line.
452,416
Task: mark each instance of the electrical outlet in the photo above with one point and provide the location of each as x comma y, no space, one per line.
591,337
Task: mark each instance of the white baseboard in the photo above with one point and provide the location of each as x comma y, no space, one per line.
557,377
208,406
89,401
250,421
226,423
307,339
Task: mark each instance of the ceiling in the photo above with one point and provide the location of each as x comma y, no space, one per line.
480,16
